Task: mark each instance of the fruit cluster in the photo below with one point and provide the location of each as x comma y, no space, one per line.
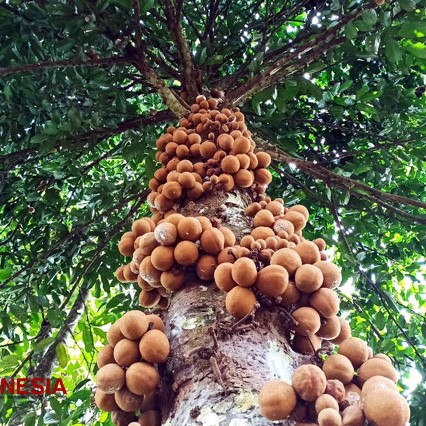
210,149
127,378
164,251
352,386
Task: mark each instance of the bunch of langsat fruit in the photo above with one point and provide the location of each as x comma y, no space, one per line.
212,150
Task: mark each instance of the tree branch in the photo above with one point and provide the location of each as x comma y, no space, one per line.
39,66
188,69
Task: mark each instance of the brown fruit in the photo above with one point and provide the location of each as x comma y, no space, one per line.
105,402
308,252
114,334
241,145
126,352
378,382
128,274
225,255
308,278
244,178
264,159
331,273
223,277
206,266
126,247
353,393
355,349
154,347
121,418
336,389
150,418
246,241
283,225
212,241
275,207
272,280
262,233
142,226
225,141
187,180
306,344
353,416
127,400
300,209
110,378
345,332
277,400
184,166
244,272
147,243
291,294
162,203
308,320
325,301
320,244
382,356
230,238
309,382
142,378
186,253
133,324
384,407
230,164
329,417
155,322
330,328
376,367
325,401
263,218
287,258
189,228
148,272
148,299
165,233
150,402
172,190
162,258
297,219
105,356
208,149
338,367
262,176
240,302
119,274
172,280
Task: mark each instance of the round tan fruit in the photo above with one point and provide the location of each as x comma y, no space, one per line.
376,367
155,322
345,332
186,253
331,273
309,382
275,207
306,344
148,299
353,394
230,164
189,228
308,320
338,367
384,407
325,301
291,294
272,280
206,266
244,272
240,302
133,324
154,347
329,417
277,400
147,243
165,233
308,278
353,416
336,389
230,238
262,233
127,400
142,226
264,159
263,218
330,328
142,378
262,176
223,277
287,258
110,378
114,334
126,352
105,401
244,178
325,401
355,349
212,241
308,252
297,219
162,258
378,382
105,356
172,280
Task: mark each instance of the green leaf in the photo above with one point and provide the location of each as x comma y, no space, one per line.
62,355
350,31
408,5
43,344
56,406
146,5
417,49
5,273
393,52
369,17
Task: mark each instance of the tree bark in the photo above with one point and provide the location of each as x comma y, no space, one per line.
218,364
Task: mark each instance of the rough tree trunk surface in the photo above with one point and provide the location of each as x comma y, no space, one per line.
218,365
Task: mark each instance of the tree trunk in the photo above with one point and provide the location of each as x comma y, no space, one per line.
218,364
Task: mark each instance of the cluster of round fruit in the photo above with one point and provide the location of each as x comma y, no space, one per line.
210,149
127,378
163,251
352,386
278,262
